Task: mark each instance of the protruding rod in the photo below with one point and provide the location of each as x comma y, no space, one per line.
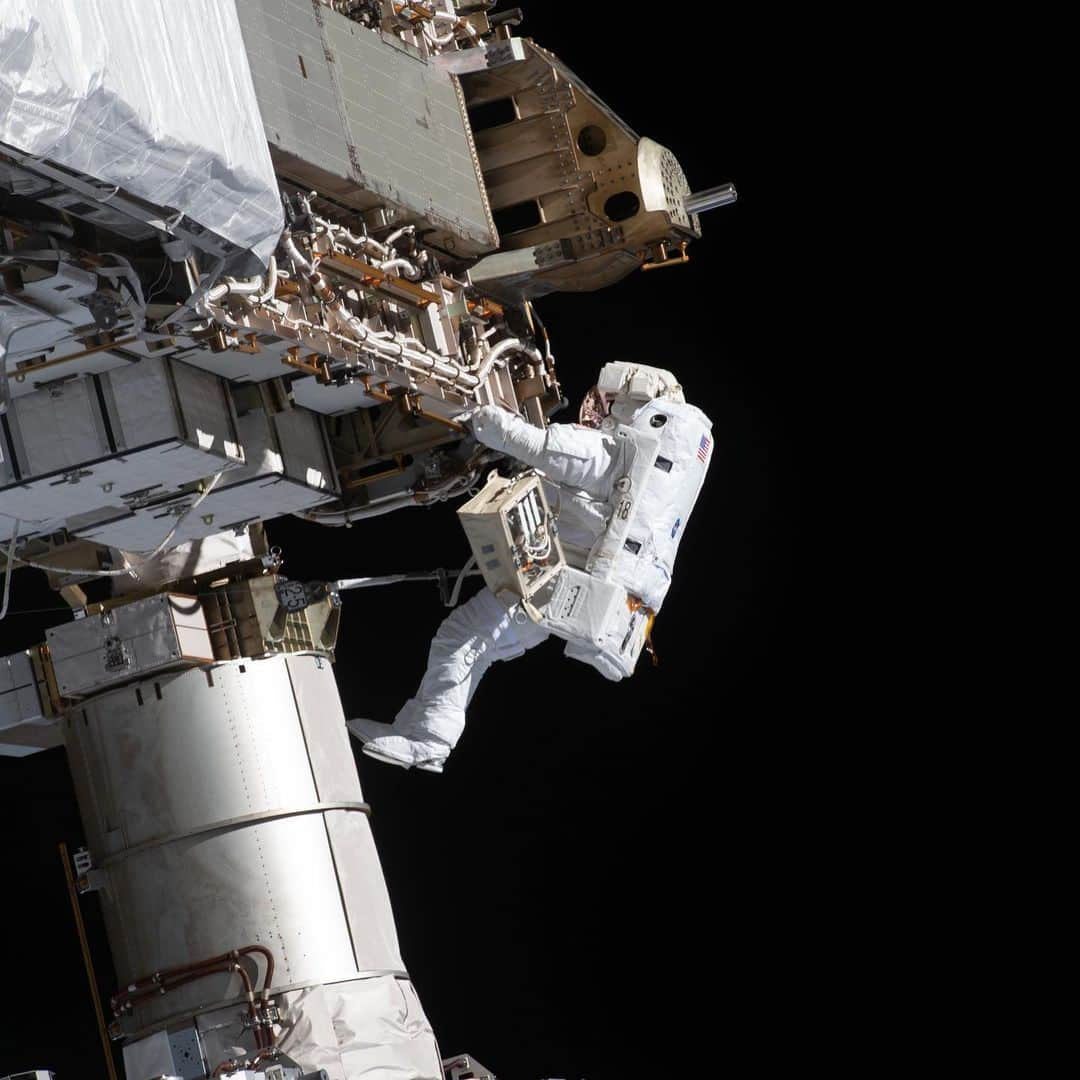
393,579
710,199
80,929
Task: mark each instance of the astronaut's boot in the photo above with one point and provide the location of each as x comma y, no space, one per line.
383,743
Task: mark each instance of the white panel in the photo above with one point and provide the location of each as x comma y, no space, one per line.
167,466
163,468
39,527
142,398
11,750
159,399
143,530
265,498
261,455
57,429
330,400
303,448
10,710
187,611
204,407
187,560
241,732
93,364
21,706
194,643
148,1058
54,499
15,670
262,499
29,737
236,366
27,330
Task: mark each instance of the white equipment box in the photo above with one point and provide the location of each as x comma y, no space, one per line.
127,642
287,468
95,443
513,534
601,614
26,725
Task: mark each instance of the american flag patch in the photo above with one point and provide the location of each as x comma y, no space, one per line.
703,448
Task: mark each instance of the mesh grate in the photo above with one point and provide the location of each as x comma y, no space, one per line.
676,188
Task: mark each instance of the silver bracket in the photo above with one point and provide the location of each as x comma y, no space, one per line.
464,1067
92,881
83,862
468,60
87,879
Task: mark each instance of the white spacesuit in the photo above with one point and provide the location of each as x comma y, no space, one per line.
622,485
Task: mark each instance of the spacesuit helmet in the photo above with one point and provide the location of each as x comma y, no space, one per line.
623,388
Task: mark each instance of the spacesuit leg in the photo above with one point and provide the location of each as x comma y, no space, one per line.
468,642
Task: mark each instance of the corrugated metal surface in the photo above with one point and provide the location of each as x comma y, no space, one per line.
300,114
342,98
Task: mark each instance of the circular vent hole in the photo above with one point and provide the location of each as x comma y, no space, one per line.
591,140
622,206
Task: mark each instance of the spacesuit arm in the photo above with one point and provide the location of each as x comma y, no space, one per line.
579,457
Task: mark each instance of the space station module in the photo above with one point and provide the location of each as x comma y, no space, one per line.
264,273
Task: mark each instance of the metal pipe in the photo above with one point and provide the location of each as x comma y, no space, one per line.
271,281
236,287
388,503
385,505
183,969
289,244
419,356
508,346
397,234
409,268
9,563
430,363
168,983
340,232
57,228
35,368
710,199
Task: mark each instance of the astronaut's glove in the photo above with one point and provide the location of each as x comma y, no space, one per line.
465,417
507,433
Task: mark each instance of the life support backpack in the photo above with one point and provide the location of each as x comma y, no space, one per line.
605,611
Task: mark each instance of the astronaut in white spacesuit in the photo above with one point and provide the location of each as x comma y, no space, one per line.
622,484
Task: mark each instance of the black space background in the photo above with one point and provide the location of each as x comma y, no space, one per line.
609,881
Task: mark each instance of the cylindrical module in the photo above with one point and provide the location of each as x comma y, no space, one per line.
223,809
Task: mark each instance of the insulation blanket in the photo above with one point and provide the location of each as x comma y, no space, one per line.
154,97
366,1029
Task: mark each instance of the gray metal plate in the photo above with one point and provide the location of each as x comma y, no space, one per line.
342,98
